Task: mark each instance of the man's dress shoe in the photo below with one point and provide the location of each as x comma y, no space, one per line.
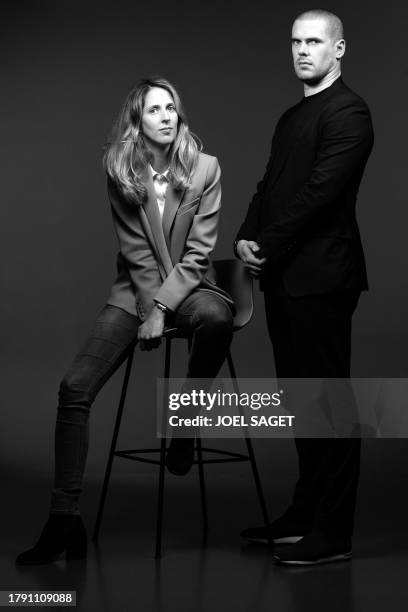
314,548
281,531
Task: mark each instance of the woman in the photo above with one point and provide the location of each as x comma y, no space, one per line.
165,198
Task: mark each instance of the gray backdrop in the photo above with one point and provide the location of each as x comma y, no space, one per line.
66,70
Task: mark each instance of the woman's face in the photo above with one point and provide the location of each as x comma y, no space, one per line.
159,117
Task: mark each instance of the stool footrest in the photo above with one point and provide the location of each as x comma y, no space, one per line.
227,460
223,452
129,454
230,456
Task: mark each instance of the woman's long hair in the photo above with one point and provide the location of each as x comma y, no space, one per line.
127,155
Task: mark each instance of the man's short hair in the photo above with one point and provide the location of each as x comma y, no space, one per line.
335,24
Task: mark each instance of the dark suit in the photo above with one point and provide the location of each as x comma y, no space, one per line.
303,218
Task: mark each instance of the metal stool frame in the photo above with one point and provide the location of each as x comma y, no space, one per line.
134,454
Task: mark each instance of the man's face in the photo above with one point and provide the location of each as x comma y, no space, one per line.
315,54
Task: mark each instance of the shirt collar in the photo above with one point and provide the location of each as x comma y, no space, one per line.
312,92
158,174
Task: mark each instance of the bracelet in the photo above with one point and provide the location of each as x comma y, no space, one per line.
162,307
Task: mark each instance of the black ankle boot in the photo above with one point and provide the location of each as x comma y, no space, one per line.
61,533
180,456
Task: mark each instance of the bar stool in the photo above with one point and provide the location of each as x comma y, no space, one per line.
233,278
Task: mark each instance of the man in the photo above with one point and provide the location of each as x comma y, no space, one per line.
301,237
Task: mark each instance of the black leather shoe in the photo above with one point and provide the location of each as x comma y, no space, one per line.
281,531
61,534
180,456
315,548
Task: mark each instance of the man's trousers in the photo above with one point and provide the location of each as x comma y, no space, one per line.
311,338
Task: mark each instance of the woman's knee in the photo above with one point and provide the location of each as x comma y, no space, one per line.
72,394
215,315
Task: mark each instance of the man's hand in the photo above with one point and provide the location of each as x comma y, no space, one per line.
246,250
151,331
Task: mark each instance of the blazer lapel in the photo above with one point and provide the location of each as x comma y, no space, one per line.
153,216
172,202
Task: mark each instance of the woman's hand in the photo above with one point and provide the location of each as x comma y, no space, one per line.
151,331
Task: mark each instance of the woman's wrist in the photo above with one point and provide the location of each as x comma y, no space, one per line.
161,307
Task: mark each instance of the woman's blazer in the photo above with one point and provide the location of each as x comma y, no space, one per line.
166,259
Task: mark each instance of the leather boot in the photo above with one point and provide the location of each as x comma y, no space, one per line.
61,534
180,456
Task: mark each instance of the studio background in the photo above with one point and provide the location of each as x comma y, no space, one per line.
66,70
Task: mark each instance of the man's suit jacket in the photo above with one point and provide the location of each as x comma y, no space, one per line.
303,212
166,259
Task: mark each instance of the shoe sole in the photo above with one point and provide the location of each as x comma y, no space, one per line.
177,472
78,556
285,540
342,557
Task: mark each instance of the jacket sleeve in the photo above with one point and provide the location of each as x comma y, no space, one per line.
249,228
191,270
346,139
135,248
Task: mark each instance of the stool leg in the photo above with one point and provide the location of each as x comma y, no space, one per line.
201,473
160,500
113,446
202,488
250,449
